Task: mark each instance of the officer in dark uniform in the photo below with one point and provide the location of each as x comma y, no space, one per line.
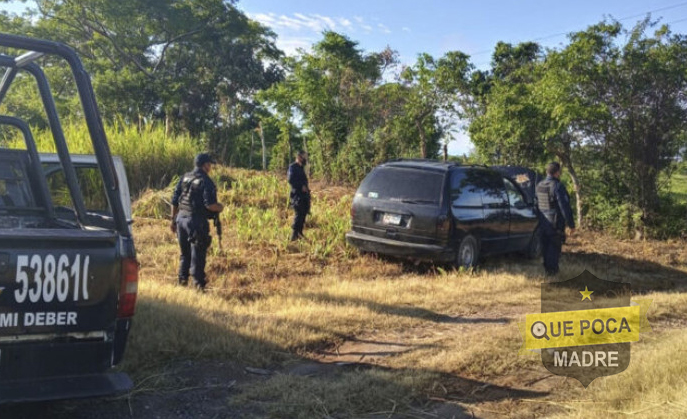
193,202
554,214
300,194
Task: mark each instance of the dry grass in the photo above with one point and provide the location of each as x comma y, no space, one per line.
653,386
277,305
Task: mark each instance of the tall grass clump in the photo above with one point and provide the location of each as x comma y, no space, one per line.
152,159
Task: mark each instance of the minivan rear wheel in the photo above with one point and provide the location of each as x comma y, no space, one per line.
468,252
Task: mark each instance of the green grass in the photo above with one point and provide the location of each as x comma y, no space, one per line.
678,185
151,158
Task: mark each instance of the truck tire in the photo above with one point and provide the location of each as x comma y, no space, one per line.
468,252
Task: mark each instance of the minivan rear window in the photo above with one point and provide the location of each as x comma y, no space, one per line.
413,186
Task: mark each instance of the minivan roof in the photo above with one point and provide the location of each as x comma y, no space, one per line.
426,164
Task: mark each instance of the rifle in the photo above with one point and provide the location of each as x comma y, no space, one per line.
218,228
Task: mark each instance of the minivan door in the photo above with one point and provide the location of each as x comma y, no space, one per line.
480,207
523,219
495,206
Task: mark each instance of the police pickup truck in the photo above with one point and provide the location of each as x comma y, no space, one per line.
68,267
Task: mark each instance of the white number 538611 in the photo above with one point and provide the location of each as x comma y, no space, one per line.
54,279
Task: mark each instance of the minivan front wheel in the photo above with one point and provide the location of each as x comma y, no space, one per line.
468,252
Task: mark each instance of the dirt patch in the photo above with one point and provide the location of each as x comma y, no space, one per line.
186,390
373,349
363,351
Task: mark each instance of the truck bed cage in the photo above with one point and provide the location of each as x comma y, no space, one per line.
35,49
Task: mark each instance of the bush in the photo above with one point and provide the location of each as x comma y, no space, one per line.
625,220
622,220
671,221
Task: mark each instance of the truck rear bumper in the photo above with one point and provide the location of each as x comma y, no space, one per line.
397,248
19,391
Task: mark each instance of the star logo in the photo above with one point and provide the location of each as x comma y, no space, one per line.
568,355
586,294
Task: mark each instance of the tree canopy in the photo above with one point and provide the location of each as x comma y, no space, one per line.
609,105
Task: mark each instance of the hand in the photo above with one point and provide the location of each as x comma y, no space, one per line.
173,227
305,189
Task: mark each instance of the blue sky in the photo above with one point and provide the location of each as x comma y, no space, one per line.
438,26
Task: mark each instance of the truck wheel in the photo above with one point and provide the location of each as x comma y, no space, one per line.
468,252
535,248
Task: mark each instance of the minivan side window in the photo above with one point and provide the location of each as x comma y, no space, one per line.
514,196
494,193
464,190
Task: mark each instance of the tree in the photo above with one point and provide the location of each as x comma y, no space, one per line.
615,110
507,127
435,88
628,102
331,91
196,64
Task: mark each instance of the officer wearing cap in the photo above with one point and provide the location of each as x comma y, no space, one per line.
193,202
555,213
300,194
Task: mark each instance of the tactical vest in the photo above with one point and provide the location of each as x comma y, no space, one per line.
546,197
190,185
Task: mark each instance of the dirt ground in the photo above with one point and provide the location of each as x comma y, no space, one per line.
204,388
200,389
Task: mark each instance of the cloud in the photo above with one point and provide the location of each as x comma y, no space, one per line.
291,45
406,29
330,23
265,19
300,22
301,30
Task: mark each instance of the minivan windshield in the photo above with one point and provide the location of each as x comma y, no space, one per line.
412,186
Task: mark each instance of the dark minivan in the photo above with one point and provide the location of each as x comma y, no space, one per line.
430,210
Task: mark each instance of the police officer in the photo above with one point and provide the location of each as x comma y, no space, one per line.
554,214
193,202
300,194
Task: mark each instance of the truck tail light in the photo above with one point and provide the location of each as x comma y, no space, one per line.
127,293
352,212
